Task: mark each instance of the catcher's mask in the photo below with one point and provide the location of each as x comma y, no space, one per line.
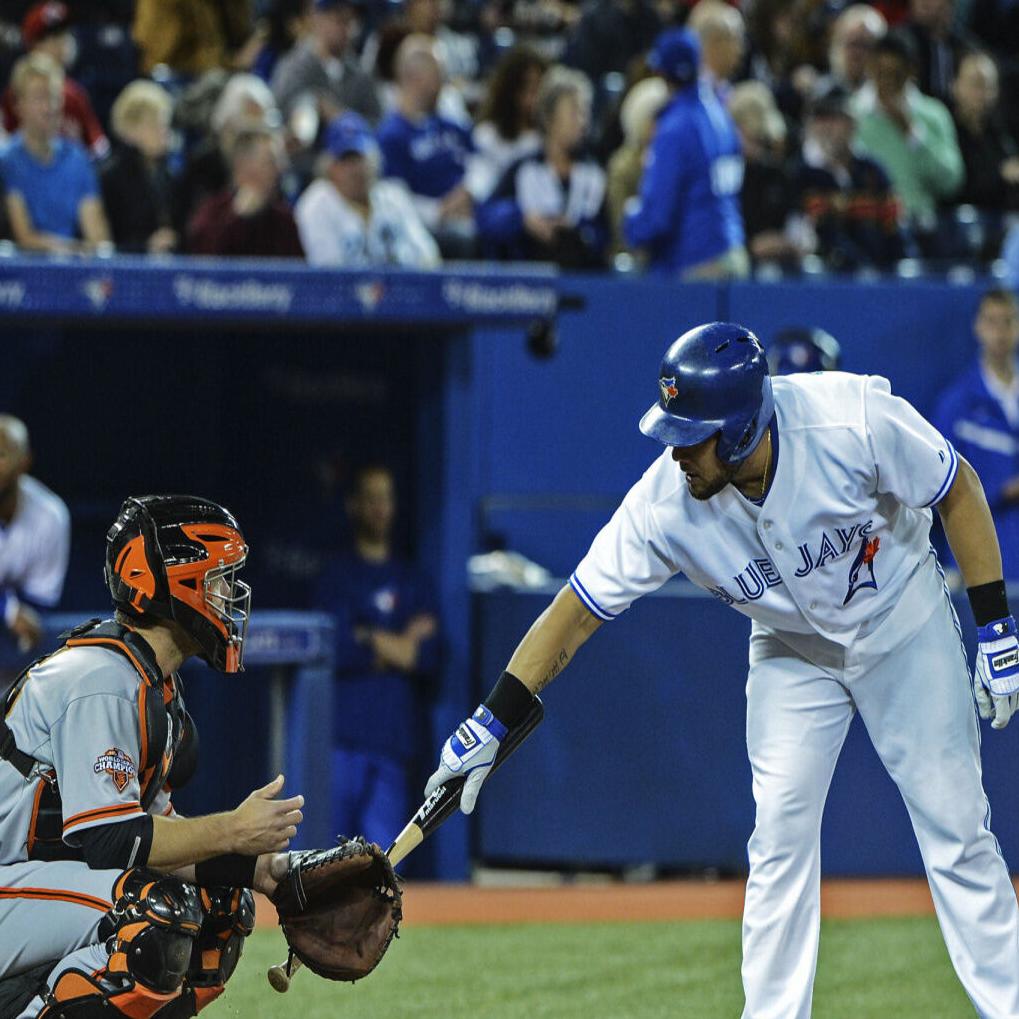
177,557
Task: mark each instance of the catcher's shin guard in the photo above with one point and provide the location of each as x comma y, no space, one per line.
229,919
152,926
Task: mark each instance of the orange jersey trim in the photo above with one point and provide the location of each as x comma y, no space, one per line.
57,895
102,814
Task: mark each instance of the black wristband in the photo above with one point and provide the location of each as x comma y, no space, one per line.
509,700
231,869
988,602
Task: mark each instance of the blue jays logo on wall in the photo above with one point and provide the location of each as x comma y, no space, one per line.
861,573
668,388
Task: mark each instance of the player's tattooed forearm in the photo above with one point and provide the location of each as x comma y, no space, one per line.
557,666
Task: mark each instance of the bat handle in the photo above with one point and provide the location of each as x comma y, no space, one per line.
281,975
410,838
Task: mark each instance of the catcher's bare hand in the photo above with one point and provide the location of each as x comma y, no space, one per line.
263,824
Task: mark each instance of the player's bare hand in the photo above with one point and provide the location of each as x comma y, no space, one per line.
27,628
264,824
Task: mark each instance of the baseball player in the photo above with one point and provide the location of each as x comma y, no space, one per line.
112,904
804,502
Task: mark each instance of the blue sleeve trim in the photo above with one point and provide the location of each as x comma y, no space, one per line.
593,607
953,466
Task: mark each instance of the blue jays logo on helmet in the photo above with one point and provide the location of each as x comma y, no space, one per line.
725,390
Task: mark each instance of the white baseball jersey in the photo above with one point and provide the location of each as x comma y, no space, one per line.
844,527
34,547
77,713
334,233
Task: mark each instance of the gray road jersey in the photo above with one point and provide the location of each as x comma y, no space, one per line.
77,713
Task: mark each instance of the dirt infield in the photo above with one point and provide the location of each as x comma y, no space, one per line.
664,900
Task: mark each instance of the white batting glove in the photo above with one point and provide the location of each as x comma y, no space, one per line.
470,752
996,675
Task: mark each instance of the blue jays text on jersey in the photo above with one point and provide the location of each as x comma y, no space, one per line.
760,573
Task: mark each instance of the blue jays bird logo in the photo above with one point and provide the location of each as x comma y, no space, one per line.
668,388
863,565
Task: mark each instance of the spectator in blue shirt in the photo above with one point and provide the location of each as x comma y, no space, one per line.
386,653
52,198
687,215
426,150
979,414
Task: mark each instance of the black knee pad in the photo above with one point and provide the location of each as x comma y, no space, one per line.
151,929
229,919
156,920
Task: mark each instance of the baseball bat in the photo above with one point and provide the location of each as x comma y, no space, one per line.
433,812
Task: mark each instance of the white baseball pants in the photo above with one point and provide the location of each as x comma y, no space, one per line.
916,701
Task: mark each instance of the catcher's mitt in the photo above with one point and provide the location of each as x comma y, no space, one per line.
340,908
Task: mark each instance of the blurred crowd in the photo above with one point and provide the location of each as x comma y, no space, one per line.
700,139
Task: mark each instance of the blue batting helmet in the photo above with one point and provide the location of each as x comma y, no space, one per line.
713,379
803,350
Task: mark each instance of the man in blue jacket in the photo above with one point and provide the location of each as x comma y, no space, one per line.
980,414
386,654
687,215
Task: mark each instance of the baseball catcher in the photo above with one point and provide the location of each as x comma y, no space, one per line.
121,906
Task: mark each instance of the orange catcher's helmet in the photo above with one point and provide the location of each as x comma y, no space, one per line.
177,557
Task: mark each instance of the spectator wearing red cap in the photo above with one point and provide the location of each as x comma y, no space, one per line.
47,29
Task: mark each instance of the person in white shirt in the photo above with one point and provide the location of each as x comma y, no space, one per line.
825,545
35,538
349,218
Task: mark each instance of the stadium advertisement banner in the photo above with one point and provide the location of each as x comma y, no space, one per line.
132,289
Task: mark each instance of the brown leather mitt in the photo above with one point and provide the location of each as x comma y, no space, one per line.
340,908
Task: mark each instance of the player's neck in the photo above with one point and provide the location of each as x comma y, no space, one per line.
754,473
166,646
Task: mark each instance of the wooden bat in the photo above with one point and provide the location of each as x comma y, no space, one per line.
433,812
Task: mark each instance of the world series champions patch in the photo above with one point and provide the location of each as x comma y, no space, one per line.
117,765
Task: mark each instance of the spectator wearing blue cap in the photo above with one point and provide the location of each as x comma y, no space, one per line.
687,215
322,69
349,218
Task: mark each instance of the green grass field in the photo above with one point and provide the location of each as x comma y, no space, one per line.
880,969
